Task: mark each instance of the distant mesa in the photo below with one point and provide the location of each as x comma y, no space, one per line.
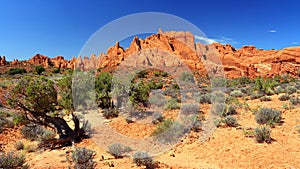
246,61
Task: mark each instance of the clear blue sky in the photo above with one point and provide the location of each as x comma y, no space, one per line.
61,27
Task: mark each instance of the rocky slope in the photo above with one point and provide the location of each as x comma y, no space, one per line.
180,46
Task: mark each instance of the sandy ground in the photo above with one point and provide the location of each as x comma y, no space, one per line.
227,147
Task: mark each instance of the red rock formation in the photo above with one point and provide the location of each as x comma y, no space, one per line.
2,61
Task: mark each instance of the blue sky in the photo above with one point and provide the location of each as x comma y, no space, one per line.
61,27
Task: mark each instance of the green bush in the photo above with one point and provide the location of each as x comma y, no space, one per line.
19,119
231,121
157,117
83,158
256,96
279,89
38,133
236,93
143,159
118,150
284,97
168,131
265,98
294,100
187,77
13,71
189,109
268,116
291,89
39,69
266,85
172,104
12,161
56,70
110,113
206,98
19,145
263,134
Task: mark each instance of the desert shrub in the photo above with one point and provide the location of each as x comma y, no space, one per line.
186,77
4,123
142,74
236,93
230,110
19,119
157,117
118,150
143,159
172,104
218,82
266,85
231,121
56,70
19,145
268,116
168,131
294,100
39,69
239,81
279,89
13,71
38,133
189,109
284,97
157,99
263,134
175,86
265,98
31,148
139,93
12,161
218,109
256,96
205,99
218,96
110,113
155,85
291,89
83,158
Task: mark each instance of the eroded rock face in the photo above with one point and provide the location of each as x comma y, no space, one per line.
2,61
214,58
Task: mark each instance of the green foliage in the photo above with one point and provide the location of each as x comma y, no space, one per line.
279,89
268,116
12,161
39,69
143,159
110,113
189,109
187,77
36,96
172,104
65,93
19,145
168,131
295,100
37,133
291,89
231,121
103,87
157,117
19,119
13,71
218,82
118,150
265,98
266,85
236,93
83,158
56,70
256,96
263,134
139,93
239,81
284,97
164,126
205,98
